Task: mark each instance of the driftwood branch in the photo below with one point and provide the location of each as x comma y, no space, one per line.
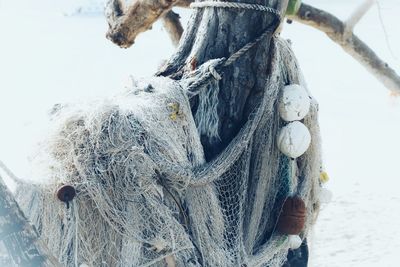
172,24
336,31
19,237
357,15
127,23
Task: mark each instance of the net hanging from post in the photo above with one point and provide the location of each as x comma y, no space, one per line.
146,196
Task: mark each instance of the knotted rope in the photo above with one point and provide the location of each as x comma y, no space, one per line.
214,69
236,5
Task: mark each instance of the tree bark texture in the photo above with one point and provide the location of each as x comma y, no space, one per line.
217,33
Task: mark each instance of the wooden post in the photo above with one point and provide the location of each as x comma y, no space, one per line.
216,33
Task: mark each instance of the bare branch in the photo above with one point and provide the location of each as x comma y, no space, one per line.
19,236
357,15
127,22
173,25
184,3
335,29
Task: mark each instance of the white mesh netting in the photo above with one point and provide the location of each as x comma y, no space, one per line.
146,196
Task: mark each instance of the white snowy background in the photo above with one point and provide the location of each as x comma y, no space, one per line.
47,57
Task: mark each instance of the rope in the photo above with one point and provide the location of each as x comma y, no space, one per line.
213,69
214,73
235,5
235,56
200,82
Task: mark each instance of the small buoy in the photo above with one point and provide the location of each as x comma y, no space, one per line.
294,103
324,177
294,241
325,196
292,219
294,139
66,193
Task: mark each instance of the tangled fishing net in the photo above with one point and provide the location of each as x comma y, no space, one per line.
146,196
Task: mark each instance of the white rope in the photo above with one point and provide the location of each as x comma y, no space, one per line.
245,48
213,69
214,73
235,5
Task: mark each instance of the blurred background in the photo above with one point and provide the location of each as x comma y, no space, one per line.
55,51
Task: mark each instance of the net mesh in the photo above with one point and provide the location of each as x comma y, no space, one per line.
146,196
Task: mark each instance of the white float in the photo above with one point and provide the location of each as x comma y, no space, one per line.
294,139
294,241
294,103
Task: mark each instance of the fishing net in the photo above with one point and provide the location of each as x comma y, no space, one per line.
145,194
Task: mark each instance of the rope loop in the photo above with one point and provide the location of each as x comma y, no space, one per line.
215,70
236,5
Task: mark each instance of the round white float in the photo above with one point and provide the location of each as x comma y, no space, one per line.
294,139
294,241
294,103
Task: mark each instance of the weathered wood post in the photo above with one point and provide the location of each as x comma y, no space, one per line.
219,32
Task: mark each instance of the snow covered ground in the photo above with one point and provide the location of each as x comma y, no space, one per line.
47,58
